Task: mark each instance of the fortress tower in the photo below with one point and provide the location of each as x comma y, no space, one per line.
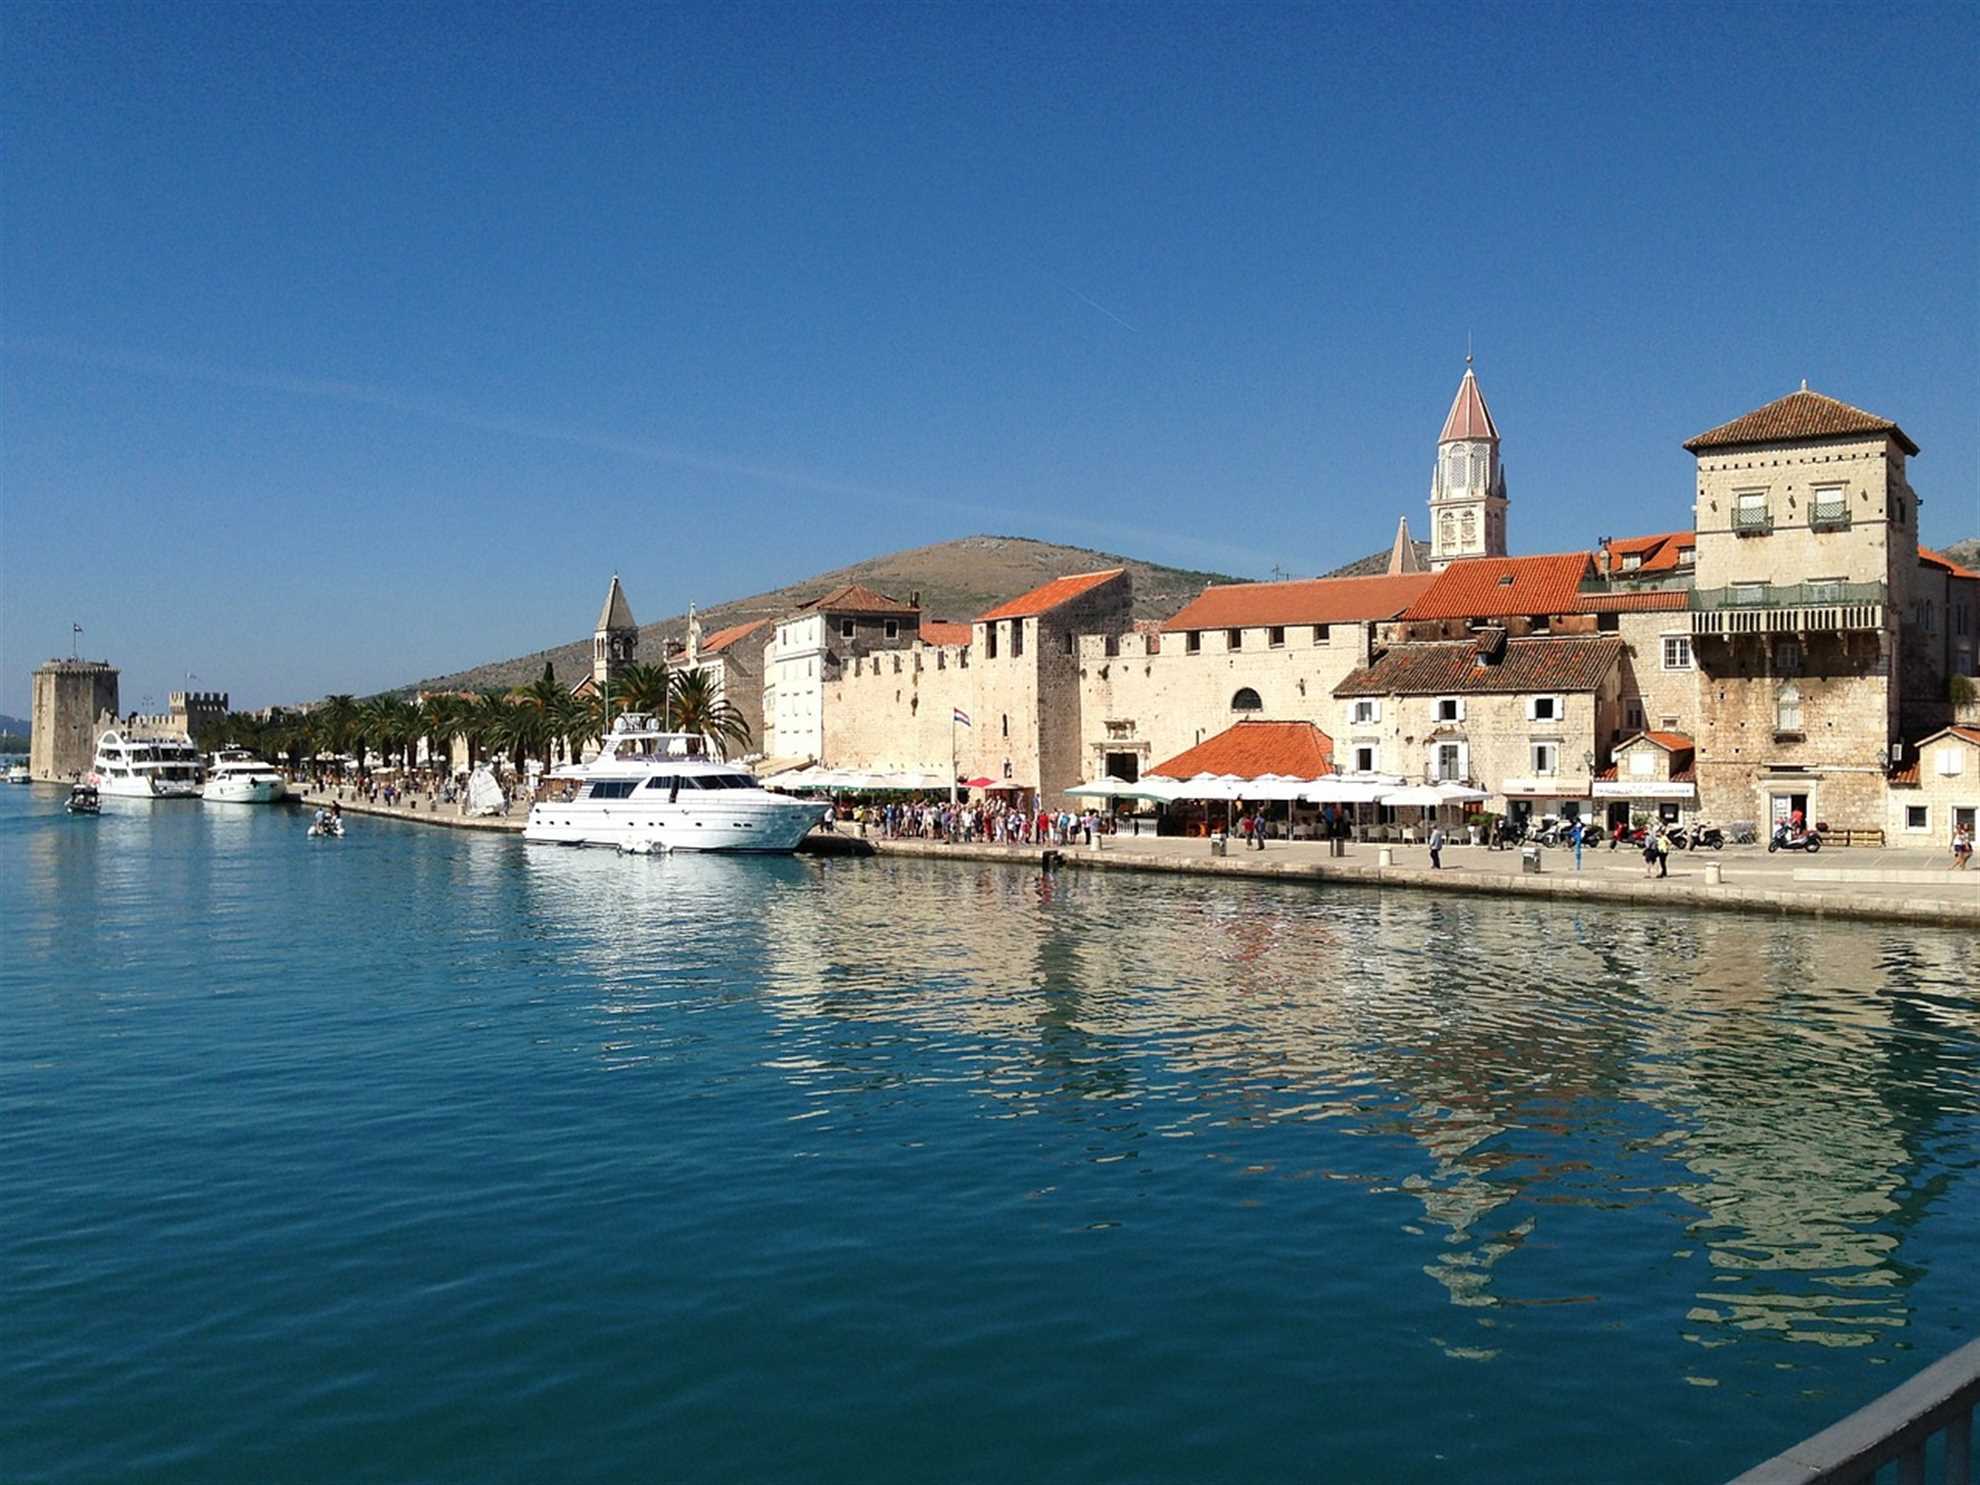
69,695
1468,487
616,640
200,715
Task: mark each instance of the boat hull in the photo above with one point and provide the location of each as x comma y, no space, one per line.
145,788
717,821
244,791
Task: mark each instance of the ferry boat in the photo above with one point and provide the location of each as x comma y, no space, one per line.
649,788
238,777
145,767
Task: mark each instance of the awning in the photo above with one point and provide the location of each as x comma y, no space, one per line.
1544,788
1111,788
1644,789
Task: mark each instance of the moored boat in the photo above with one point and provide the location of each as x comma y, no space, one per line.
145,767
238,777
84,800
649,788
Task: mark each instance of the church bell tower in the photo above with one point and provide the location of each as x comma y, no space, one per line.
616,640
1468,487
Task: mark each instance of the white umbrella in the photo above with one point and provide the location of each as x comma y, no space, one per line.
1338,790
1460,793
1112,788
1218,786
1278,786
1423,795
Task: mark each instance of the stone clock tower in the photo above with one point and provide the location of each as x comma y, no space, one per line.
1468,489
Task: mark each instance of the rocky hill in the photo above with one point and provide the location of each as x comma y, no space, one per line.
956,580
1966,553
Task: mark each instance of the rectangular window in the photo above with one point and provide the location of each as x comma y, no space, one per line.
1677,652
1450,709
1917,817
846,629
1233,639
1686,555
1787,657
1276,636
1017,638
1825,590
1632,562
1072,645
1642,762
1546,758
1828,507
1193,642
1750,515
1322,634
1544,709
1449,768
1749,595
611,789
893,629
990,641
1364,760
1368,711
1951,761
1633,715
1787,709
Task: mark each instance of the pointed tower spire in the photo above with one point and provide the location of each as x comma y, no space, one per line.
616,639
1468,486
1402,556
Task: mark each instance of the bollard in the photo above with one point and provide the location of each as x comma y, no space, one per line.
1385,857
1529,860
1715,874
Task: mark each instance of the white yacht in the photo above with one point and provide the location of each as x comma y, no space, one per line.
145,767
18,774
648,788
238,777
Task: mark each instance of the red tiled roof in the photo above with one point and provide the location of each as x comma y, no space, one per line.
1656,601
1468,417
1498,587
857,598
1907,775
1945,564
1685,776
1659,553
1452,668
943,632
1250,749
1048,596
1802,414
1670,742
1310,601
721,639
1606,775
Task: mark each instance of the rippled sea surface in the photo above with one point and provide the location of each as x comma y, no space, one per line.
426,1156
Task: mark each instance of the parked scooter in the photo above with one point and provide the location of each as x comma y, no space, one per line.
1705,837
1785,839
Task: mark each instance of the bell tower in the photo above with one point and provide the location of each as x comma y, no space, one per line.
616,640
1468,486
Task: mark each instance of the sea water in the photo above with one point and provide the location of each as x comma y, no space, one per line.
423,1155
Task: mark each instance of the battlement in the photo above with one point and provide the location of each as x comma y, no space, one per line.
75,667
198,701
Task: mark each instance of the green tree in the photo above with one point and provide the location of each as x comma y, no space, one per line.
641,688
697,706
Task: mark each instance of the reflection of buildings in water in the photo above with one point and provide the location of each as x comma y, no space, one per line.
1771,1065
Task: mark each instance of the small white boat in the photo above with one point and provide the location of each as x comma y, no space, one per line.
238,777
18,774
145,767
326,827
83,800
651,790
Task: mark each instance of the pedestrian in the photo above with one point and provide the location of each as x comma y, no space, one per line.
1578,833
1962,848
1660,852
1436,847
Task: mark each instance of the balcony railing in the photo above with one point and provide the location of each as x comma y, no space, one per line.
1753,522
1829,515
1896,1428
1788,608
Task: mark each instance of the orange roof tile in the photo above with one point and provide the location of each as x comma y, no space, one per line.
944,632
1802,414
1454,668
1656,601
1468,417
1048,596
1670,742
1311,601
1658,553
1498,587
1250,750
857,598
721,639
1945,564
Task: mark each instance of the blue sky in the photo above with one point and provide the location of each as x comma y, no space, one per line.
344,345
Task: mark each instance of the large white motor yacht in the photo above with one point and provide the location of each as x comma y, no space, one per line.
238,777
145,767
648,788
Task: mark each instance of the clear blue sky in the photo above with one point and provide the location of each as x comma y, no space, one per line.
346,344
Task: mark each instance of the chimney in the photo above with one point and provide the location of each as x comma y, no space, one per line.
914,599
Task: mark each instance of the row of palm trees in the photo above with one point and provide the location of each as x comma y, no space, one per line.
540,720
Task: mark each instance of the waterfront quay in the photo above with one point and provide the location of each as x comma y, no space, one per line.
1910,886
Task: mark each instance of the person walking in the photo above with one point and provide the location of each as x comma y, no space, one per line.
1660,844
1578,833
1962,848
1437,847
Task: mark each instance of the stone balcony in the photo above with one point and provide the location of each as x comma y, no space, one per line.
1788,608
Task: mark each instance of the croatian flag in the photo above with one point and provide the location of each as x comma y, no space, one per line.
962,716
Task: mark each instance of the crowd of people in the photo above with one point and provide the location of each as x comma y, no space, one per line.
969,822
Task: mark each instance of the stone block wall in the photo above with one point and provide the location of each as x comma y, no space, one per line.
1945,798
68,698
1666,699
1495,736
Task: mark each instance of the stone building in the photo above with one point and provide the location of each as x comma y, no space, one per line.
1807,566
811,648
68,699
732,659
1653,774
614,642
1468,486
1936,790
1527,720
1239,651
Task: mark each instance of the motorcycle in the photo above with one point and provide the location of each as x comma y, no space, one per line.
1784,839
1707,837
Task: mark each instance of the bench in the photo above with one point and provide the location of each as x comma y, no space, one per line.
1853,837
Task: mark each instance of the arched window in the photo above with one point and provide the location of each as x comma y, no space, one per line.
1470,530
1247,700
1457,467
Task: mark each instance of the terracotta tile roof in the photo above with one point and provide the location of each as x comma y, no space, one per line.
1250,749
1670,742
1907,775
1499,587
1802,414
1048,596
1452,668
1656,601
1606,775
943,632
1658,553
721,639
1468,417
1310,601
1685,776
1945,564
857,598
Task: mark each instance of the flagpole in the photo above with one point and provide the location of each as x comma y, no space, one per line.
952,757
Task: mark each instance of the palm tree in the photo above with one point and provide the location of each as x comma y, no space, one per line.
337,719
641,688
697,706
545,698
485,720
442,719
